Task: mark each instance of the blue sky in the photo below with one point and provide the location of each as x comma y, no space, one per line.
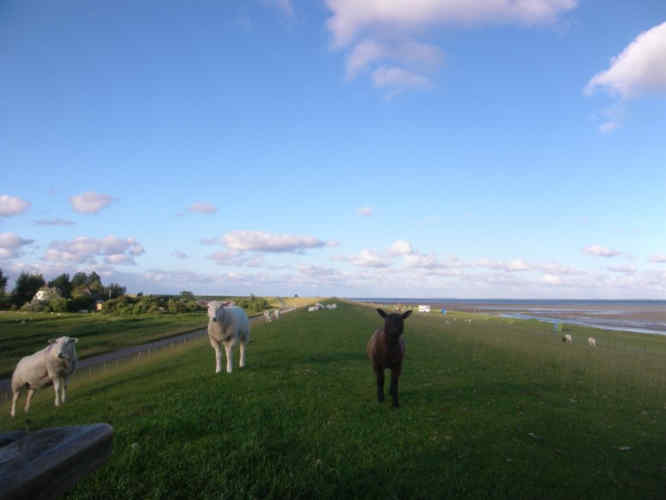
432,149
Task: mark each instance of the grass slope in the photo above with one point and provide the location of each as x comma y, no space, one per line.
24,333
492,409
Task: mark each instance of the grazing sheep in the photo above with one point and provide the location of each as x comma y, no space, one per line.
567,338
331,306
386,349
52,365
275,313
228,326
312,309
267,317
592,342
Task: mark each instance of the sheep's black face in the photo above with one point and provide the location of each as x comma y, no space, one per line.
394,324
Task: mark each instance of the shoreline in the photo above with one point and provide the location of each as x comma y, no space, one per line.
644,317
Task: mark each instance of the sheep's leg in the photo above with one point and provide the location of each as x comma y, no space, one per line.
15,397
63,390
218,355
57,382
394,388
28,398
230,356
380,385
241,363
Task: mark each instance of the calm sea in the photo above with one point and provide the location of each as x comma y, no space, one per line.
638,316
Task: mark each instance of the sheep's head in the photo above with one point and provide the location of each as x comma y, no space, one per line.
394,324
63,347
213,307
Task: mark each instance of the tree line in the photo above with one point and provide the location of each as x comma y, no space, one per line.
82,291
63,293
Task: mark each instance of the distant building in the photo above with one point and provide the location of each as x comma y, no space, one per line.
424,308
45,294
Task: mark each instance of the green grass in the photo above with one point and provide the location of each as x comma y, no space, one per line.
24,333
495,409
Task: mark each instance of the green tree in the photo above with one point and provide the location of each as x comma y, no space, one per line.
79,280
26,287
114,290
63,285
3,283
187,295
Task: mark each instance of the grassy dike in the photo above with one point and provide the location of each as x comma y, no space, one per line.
492,409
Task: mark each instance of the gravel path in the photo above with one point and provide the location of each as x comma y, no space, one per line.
128,352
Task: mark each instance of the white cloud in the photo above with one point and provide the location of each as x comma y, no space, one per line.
90,202
11,205
119,259
408,52
422,261
351,17
558,269
362,55
10,245
365,211
235,258
85,249
552,279
368,258
511,266
639,68
658,259
259,241
54,222
401,247
600,251
608,127
179,255
397,78
387,28
622,269
203,208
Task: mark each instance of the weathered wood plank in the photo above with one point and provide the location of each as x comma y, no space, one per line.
45,464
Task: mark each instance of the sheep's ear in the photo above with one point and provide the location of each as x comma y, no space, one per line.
381,313
406,315
52,341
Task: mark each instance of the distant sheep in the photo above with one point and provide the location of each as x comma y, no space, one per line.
228,326
267,317
52,365
331,306
567,338
592,342
386,349
312,309
275,313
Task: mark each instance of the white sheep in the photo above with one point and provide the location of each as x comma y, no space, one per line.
52,365
267,317
275,313
592,342
567,338
331,307
228,326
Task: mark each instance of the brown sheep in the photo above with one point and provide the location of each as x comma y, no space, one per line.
386,349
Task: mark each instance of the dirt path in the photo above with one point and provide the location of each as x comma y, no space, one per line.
128,352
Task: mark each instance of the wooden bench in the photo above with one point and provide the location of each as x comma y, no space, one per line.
44,464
